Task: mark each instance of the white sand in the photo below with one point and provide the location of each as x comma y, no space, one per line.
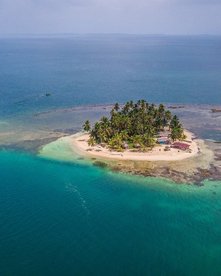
79,142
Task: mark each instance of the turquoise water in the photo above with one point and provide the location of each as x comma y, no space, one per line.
65,219
76,219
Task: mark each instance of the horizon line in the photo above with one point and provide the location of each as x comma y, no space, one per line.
100,33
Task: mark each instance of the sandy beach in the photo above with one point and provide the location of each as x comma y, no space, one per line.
179,166
80,144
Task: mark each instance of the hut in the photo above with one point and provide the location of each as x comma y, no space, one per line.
163,140
180,146
125,145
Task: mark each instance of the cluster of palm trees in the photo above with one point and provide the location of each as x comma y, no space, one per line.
176,129
135,125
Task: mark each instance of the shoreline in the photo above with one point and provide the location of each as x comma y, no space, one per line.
158,153
188,168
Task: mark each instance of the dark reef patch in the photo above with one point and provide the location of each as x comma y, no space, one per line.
100,164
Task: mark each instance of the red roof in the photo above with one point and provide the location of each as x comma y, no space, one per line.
180,145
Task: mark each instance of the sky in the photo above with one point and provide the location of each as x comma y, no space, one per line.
185,17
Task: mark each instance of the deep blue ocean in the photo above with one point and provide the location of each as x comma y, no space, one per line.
84,70
60,218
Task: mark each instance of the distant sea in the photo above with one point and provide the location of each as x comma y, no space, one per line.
62,218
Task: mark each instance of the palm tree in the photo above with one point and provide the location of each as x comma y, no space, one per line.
148,140
131,104
126,108
135,124
116,142
137,141
167,117
176,133
87,126
161,109
91,141
116,107
174,122
143,104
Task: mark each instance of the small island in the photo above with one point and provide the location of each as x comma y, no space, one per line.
137,131
140,139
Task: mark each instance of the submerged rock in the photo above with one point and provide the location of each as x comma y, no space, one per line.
100,164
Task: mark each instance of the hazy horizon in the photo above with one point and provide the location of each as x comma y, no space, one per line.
166,17
42,35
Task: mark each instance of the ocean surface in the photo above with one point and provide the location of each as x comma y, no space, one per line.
62,218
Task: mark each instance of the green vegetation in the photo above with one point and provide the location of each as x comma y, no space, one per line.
134,126
87,126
